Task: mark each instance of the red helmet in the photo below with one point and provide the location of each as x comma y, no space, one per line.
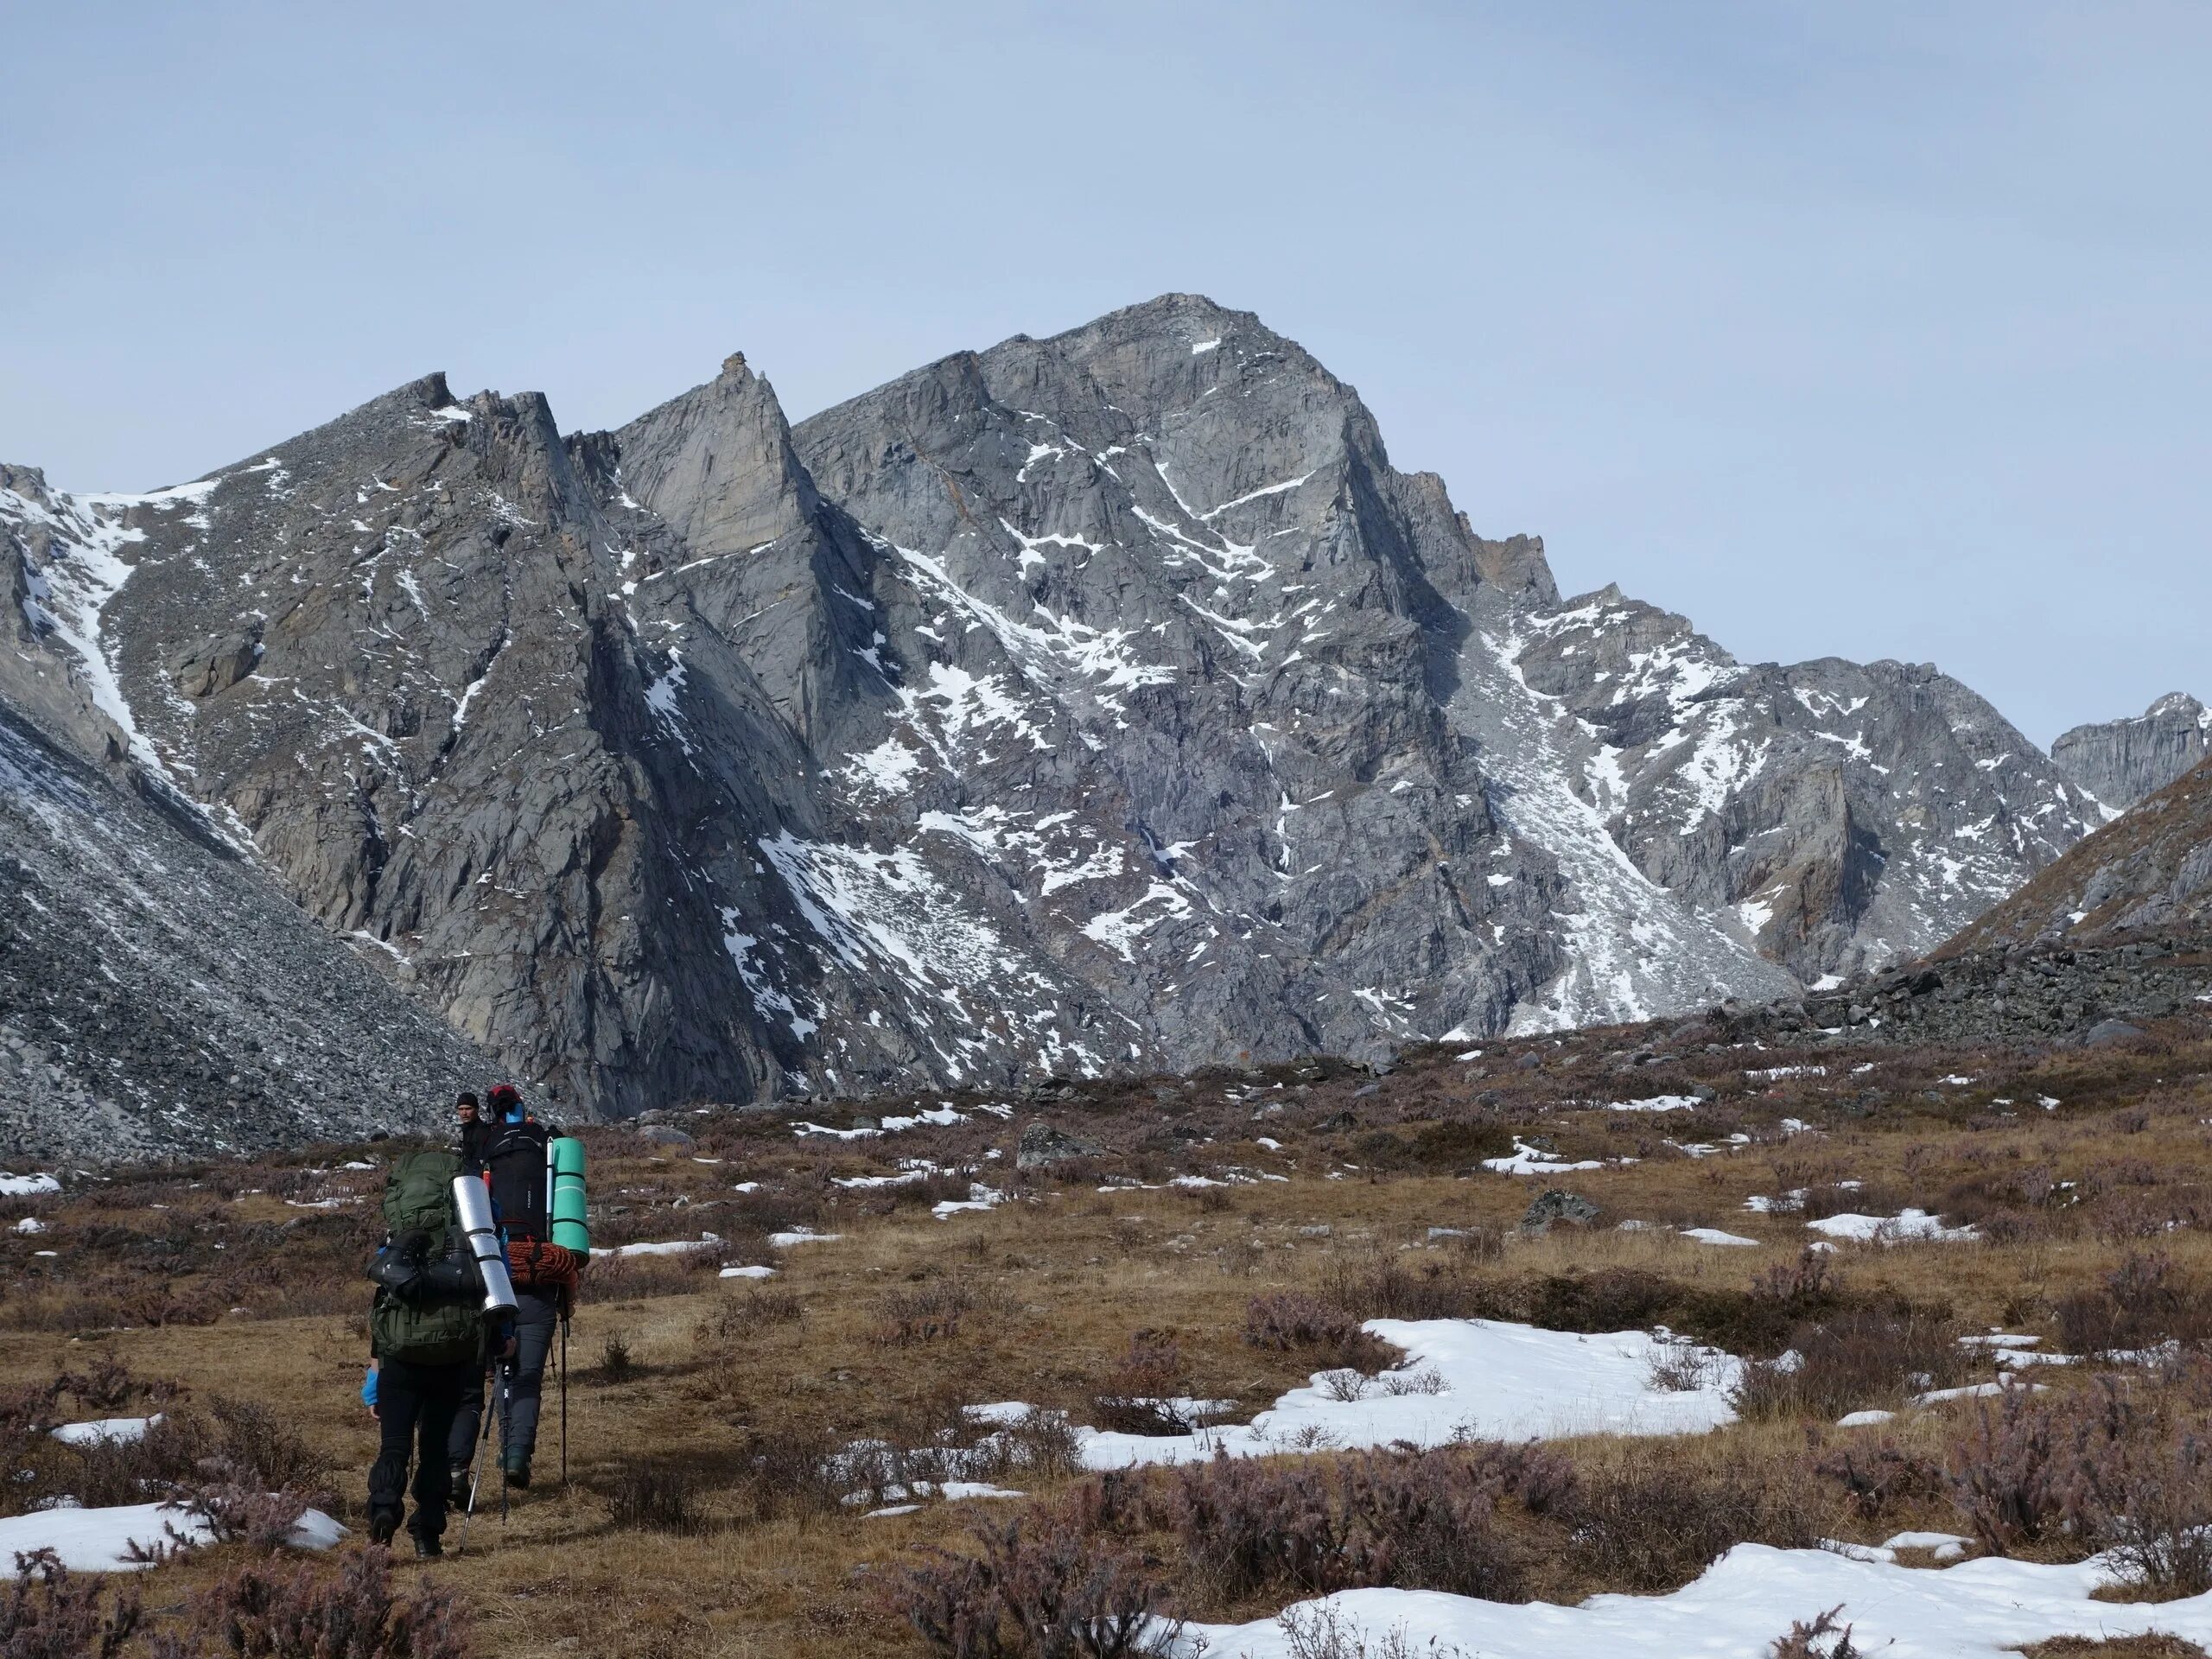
505,1097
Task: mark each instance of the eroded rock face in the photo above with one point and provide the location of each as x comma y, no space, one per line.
2122,761
1107,701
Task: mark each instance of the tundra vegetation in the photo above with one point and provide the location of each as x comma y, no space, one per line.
789,1463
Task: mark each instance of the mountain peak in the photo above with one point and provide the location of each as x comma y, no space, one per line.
2122,761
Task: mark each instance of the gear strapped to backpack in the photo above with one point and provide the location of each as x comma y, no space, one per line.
428,1308
518,1169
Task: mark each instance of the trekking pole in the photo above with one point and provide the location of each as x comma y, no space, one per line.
475,1479
564,1400
506,1404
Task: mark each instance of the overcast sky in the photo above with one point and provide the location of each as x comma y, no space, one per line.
1850,328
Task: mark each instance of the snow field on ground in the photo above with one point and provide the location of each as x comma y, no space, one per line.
1890,1229
1464,1379
1984,1609
99,1541
121,1430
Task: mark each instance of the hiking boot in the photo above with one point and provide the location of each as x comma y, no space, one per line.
383,1524
461,1477
428,1548
515,1467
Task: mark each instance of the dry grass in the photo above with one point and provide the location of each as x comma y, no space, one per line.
733,1394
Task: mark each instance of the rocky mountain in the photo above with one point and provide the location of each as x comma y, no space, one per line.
2120,761
2150,870
1105,701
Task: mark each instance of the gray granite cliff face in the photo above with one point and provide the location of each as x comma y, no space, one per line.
1101,701
2120,761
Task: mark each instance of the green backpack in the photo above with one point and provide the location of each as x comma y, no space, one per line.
418,1206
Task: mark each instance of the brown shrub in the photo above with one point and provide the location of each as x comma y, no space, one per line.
649,1495
1649,1527
344,1609
2141,1303
1807,1639
48,1615
1859,1358
1245,1525
931,1313
1038,1586
1873,1477
1137,1398
1291,1321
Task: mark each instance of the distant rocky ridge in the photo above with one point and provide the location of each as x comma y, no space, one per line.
2120,761
1102,701
2149,870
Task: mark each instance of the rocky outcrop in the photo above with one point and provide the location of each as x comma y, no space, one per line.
1833,817
1104,700
2015,994
2122,761
2148,870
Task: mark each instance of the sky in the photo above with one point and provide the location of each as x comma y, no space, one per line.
1858,329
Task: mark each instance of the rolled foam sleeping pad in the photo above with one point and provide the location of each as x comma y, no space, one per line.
564,1161
475,1205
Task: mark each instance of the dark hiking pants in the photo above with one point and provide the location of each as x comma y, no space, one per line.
414,1409
538,1319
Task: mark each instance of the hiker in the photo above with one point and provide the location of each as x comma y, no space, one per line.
513,1160
429,1335
470,1113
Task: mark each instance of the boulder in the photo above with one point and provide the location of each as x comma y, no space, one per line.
214,664
2106,1032
1557,1205
659,1134
1042,1144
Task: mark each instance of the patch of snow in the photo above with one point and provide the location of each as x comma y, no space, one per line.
118,1430
1988,1608
673,1247
1905,1225
1528,1161
99,1541
979,1198
801,1235
1499,1381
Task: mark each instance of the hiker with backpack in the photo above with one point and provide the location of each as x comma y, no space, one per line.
515,1159
443,1305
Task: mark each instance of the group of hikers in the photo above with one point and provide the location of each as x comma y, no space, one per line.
469,1298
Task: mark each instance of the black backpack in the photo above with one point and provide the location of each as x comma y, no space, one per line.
513,1155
